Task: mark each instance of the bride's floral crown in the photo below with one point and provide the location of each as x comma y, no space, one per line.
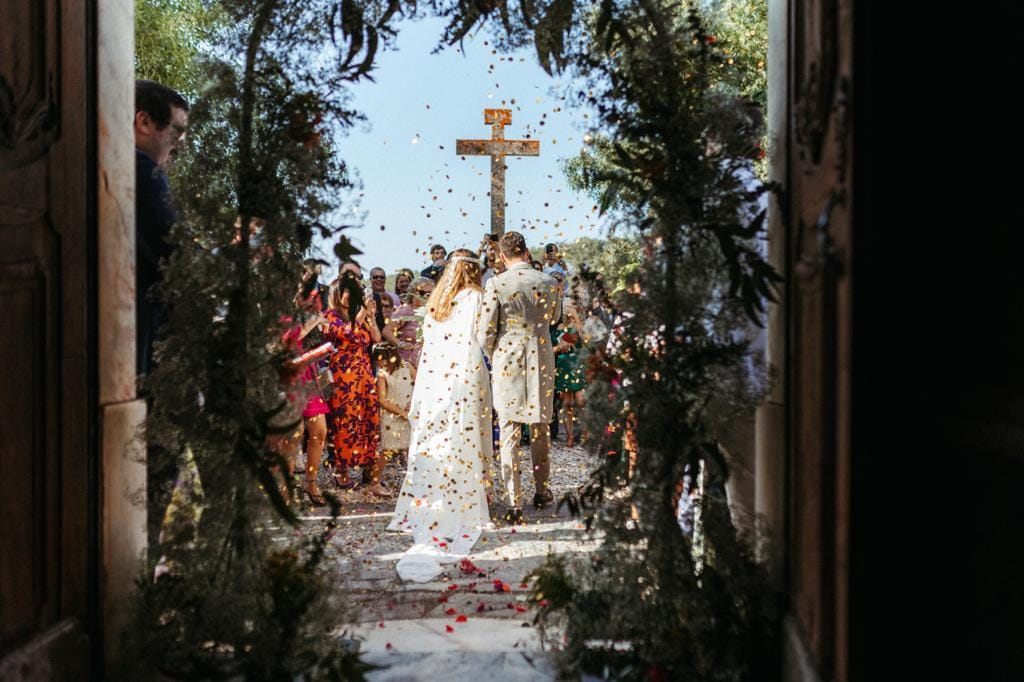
468,259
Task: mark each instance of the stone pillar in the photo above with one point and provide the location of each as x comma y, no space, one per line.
770,439
123,468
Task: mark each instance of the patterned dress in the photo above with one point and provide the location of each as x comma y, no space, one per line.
395,429
569,374
355,416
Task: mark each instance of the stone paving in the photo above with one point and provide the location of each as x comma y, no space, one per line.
466,623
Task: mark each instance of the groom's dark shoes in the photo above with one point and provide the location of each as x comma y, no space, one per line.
514,516
541,500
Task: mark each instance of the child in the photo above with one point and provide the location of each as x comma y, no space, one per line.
395,378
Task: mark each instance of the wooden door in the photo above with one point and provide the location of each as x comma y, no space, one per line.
48,537
820,248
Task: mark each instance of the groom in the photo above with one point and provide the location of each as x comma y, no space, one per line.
518,308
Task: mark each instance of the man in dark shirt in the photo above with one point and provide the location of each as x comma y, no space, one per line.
438,254
161,117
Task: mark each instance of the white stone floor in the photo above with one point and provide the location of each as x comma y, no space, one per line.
459,627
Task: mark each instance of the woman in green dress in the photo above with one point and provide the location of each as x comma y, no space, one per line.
569,375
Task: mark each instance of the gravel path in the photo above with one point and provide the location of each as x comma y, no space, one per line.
462,626
364,554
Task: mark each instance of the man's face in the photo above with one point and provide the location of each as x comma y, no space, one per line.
378,278
161,143
437,254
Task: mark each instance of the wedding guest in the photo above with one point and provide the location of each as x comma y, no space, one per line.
438,254
553,262
489,256
302,336
350,325
159,124
403,278
161,117
378,284
404,328
387,309
395,380
353,267
569,373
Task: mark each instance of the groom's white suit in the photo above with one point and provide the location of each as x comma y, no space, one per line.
514,329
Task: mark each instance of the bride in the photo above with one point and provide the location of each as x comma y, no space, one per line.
443,501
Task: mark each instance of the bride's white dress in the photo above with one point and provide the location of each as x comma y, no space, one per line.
443,501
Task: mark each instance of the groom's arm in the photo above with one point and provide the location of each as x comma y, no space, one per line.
488,318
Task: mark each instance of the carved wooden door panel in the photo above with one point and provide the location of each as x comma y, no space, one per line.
820,327
47,447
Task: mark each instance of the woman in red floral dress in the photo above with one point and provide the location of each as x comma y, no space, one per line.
355,412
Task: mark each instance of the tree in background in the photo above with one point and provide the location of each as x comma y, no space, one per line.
617,258
740,27
170,38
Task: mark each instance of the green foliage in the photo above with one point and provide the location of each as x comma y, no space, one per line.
170,36
257,180
617,258
741,29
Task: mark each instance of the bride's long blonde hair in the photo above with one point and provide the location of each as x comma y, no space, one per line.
461,272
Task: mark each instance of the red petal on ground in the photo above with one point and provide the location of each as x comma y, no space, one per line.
443,599
523,586
387,646
450,612
449,628
480,607
461,619
380,624
453,587
520,609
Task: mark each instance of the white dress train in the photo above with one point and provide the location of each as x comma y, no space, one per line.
443,500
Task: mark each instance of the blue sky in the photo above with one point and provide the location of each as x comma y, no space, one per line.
414,184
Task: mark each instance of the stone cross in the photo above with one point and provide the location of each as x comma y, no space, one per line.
497,148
